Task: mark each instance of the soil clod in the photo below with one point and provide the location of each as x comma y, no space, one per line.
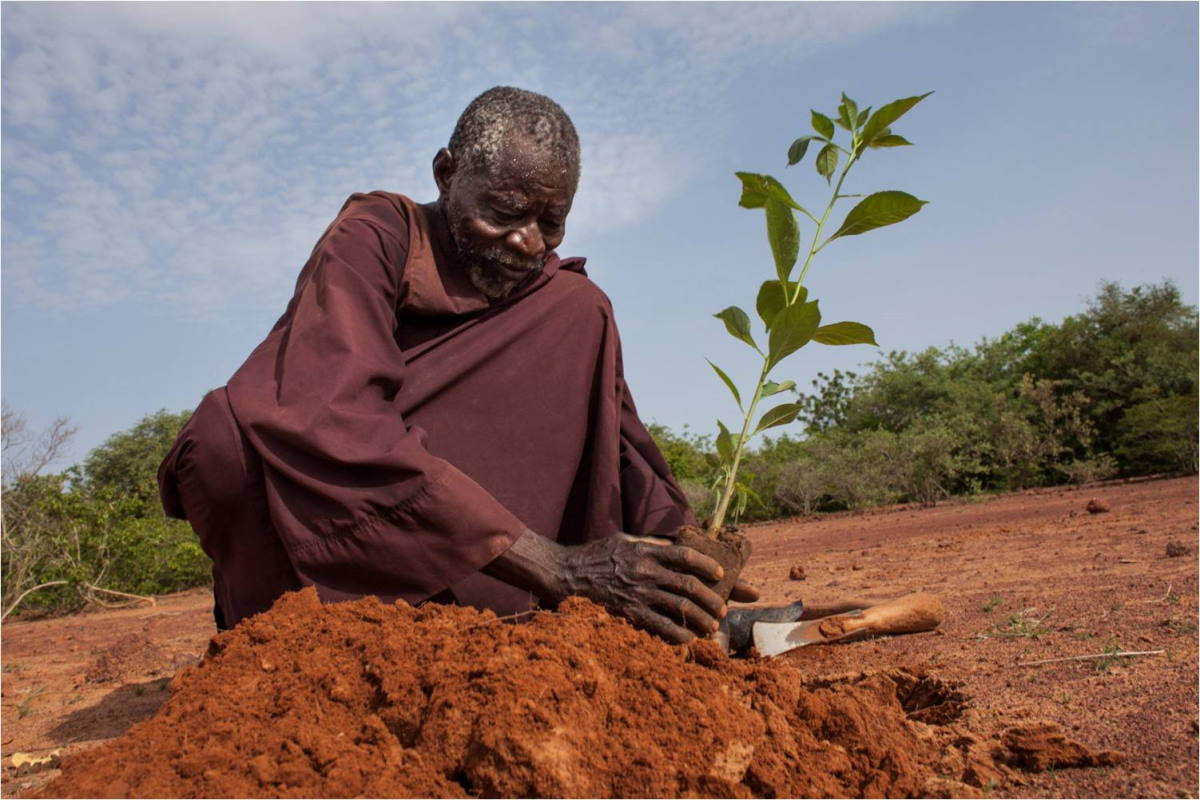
730,549
1043,746
1094,506
796,573
1176,549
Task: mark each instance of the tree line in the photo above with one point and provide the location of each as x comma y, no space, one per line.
1108,392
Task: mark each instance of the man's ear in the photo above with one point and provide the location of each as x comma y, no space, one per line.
444,167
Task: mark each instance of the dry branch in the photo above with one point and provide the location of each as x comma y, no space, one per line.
1117,654
144,598
26,593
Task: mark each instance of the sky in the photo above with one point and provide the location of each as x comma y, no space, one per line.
167,168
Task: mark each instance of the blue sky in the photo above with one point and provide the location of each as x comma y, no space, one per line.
168,167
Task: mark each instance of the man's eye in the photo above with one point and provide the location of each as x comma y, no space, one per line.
505,215
552,224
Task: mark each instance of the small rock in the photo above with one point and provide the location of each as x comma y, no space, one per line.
856,567
796,573
1094,506
1176,549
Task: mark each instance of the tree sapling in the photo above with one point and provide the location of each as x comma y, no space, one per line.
790,318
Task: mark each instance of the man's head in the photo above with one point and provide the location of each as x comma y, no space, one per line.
506,183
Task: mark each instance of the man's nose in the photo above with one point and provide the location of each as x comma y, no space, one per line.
527,240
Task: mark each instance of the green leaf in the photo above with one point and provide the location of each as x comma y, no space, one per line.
724,444
862,117
748,492
783,232
799,148
757,188
848,111
886,115
738,324
843,118
791,329
779,415
845,333
771,300
771,387
721,374
754,194
890,140
822,124
827,161
877,210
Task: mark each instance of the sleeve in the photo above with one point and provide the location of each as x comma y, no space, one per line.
360,505
652,504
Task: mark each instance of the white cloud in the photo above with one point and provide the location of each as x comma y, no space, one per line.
188,155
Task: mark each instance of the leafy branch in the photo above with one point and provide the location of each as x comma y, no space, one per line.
790,319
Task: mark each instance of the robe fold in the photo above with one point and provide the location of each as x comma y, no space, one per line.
396,431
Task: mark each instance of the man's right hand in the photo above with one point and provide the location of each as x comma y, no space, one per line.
655,585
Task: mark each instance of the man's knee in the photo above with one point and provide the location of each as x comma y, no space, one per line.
206,469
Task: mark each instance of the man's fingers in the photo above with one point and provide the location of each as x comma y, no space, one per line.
743,592
689,587
685,559
684,612
658,625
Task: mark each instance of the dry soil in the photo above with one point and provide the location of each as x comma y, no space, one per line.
1024,577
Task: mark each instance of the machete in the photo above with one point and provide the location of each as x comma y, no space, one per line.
909,614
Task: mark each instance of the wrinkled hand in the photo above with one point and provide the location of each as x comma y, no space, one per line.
656,585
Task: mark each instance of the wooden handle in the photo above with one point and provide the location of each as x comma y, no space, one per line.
909,614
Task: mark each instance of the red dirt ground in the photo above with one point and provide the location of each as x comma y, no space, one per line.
1023,577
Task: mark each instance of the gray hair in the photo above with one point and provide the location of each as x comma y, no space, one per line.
503,110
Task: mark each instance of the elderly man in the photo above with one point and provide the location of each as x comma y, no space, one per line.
440,413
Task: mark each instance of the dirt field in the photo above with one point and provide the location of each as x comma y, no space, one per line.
1024,577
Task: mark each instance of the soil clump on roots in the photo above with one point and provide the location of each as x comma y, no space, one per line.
367,699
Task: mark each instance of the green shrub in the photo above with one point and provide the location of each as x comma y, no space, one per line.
97,530
1159,436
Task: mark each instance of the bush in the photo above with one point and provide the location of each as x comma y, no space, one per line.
689,455
1087,470
1159,436
97,531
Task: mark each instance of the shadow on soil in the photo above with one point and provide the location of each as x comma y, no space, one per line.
116,712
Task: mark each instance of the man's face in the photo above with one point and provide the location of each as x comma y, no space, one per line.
505,220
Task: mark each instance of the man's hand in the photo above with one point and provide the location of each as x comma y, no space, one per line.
743,592
655,584
658,587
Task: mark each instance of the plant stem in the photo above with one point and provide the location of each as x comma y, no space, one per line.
813,248
718,517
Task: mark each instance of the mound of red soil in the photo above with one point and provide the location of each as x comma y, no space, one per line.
362,699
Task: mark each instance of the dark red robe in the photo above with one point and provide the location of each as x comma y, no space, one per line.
396,432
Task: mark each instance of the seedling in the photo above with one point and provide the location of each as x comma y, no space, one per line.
992,604
1022,625
1111,651
26,705
790,318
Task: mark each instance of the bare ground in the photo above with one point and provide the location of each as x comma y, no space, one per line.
1023,576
